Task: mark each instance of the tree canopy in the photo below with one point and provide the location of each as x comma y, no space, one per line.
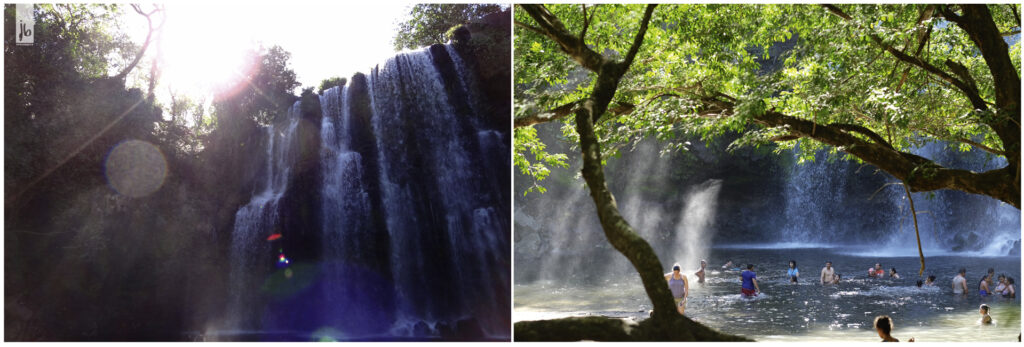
429,24
870,81
267,89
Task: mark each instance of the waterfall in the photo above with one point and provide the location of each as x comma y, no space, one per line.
844,204
250,254
695,229
814,192
410,193
416,239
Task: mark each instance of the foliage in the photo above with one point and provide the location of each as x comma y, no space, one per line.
267,90
59,102
331,83
527,141
428,24
798,60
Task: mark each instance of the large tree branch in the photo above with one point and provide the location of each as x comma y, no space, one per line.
639,39
977,21
970,93
565,110
149,20
864,131
553,28
919,173
981,28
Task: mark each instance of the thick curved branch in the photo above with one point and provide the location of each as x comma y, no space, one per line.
977,21
546,116
565,110
553,28
864,131
919,173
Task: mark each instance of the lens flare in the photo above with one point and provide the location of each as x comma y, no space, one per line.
135,168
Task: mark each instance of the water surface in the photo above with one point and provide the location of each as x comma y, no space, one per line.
805,311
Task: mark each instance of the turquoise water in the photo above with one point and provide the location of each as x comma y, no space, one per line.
804,311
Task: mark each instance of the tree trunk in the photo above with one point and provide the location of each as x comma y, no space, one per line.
619,233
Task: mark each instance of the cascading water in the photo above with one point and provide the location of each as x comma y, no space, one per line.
563,243
412,199
255,221
822,209
694,231
811,186
447,232
415,235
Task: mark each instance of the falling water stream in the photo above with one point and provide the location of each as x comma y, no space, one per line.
415,235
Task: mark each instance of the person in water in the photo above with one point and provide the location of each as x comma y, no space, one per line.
884,326
960,282
700,273
985,318
749,278
1010,291
793,272
920,283
991,277
1001,285
876,271
930,281
727,265
836,278
827,273
894,274
983,286
679,286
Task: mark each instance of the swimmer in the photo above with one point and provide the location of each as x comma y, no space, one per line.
991,276
727,265
985,318
983,286
793,272
1001,285
959,282
883,326
876,271
893,274
827,273
749,279
1010,291
836,277
679,286
930,281
920,283
700,273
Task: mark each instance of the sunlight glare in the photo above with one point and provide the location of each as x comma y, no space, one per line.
202,49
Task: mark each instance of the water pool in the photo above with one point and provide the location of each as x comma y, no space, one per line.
804,311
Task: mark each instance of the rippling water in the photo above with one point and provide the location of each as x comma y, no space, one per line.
804,311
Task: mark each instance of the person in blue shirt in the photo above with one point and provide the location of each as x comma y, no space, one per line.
750,287
793,272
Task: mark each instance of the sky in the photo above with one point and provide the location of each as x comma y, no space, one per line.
203,42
